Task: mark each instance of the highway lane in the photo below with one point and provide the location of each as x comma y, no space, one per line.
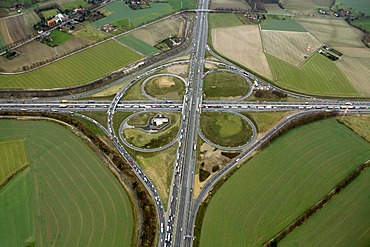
192,106
178,106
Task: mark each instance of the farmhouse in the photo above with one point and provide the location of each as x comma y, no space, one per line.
52,22
59,18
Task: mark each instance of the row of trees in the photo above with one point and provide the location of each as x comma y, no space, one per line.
145,202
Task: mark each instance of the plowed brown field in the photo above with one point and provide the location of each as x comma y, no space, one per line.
242,44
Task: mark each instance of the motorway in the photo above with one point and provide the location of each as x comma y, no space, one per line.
176,224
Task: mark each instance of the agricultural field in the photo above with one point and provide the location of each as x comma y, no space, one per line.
76,69
224,85
9,3
282,25
2,42
362,23
90,34
358,5
145,139
360,124
230,4
137,44
335,32
48,14
273,8
303,7
185,4
293,47
72,4
13,157
242,44
165,87
318,75
357,70
30,18
59,200
119,11
13,29
225,129
223,20
156,32
342,222
16,198
35,52
280,183
159,168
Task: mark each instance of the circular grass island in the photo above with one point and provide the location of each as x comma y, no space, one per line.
165,87
224,85
145,138
225,129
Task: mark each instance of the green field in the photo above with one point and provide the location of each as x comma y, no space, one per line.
265,120
305,6
119,10
280,183
318,75
224,84
225,129
2,42
144,139
67,196
74,4
362,23
175,90
344,221
282,25
137,45
57,37
223,20
134,93
17,228
13,156
77,69
358,5
90,34
184,4
49,13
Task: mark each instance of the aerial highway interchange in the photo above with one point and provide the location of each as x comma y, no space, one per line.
177,222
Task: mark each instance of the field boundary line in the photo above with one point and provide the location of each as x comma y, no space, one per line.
8,178
319,205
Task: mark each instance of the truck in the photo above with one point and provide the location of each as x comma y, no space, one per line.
64,101
179,144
